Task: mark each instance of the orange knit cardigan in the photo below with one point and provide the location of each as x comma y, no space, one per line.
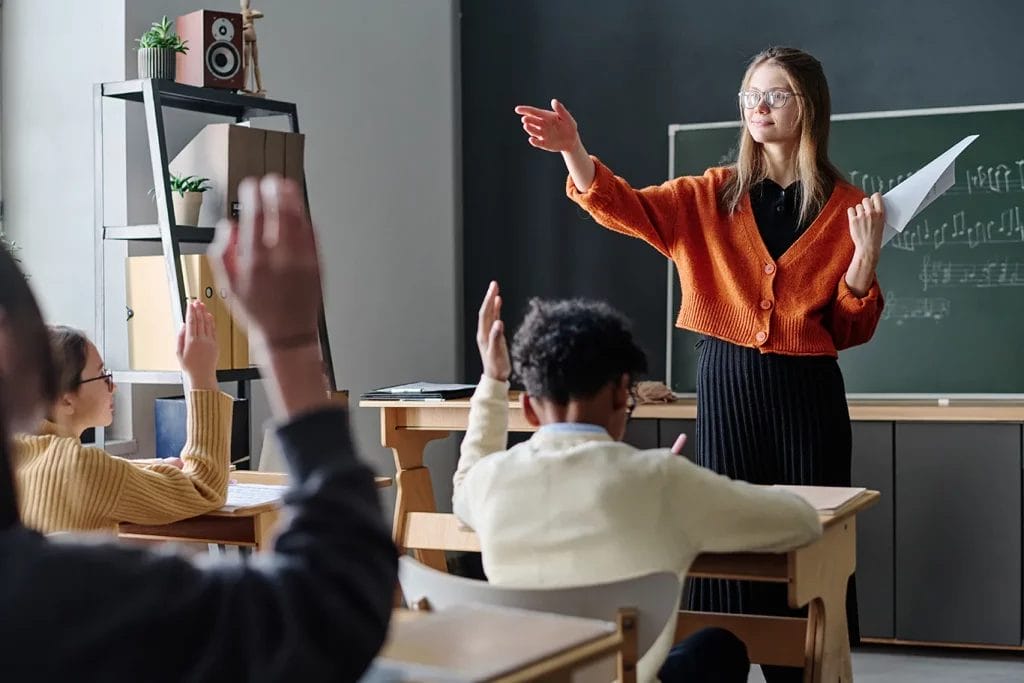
731,287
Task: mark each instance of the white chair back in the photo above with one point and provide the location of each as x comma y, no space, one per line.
652,596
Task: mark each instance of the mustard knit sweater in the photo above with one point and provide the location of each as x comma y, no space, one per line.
65,486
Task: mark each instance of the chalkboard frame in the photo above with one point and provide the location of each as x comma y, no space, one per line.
672,277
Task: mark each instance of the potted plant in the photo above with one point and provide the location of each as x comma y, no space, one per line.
10,245
157,49
187,198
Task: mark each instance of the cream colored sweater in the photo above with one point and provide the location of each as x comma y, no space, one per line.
567,508
66,486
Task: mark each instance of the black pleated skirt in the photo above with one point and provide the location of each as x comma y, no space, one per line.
769,419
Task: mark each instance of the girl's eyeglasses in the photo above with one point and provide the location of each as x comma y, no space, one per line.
775,99
107,377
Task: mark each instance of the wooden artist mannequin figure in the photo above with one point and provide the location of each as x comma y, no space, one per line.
250,53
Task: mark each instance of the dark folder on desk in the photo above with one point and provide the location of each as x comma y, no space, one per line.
420,391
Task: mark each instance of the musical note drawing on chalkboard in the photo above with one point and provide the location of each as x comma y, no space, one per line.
905,308
997,273
958,230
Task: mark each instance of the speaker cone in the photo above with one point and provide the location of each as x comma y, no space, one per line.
223,60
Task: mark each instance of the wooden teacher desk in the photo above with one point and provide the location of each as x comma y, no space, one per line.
816,574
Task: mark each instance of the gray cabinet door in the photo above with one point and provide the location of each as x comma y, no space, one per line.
873,469
669,431
958,533
642,434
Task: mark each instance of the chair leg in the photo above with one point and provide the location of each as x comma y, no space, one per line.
626,621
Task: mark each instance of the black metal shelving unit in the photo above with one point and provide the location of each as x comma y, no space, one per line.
155,95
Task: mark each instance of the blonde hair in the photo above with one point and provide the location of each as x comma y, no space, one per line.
815,172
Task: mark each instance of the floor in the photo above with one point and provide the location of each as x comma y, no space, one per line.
911,665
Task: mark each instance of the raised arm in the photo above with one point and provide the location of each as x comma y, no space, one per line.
161,493
660,215
487,431
316,608
858,304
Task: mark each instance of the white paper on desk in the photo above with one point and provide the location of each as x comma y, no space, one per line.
248,495
910,197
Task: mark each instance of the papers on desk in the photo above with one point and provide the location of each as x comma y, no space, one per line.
251,495
914,194
825,499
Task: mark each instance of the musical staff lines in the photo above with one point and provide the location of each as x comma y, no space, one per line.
1009,229
1000,178
1003,272
902,309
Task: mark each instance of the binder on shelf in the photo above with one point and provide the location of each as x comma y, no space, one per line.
152,332
420,391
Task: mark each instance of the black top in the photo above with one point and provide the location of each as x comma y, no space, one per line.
316,609
776,210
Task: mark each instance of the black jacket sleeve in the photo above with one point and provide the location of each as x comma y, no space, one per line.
317,608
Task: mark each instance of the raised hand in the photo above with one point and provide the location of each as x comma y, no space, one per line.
553,130
268,259
867,221
490,337
197,347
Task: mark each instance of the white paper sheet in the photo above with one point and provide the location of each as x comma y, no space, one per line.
910,197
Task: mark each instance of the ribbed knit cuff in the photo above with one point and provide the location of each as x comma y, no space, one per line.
491,389
597,195
850,303
209,423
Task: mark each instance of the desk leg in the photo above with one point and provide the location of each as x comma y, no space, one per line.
819,576
413,490
266,524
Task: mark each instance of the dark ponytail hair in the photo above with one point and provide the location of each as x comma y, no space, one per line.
30,348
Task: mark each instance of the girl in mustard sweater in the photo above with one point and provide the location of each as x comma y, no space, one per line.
776,257
64,485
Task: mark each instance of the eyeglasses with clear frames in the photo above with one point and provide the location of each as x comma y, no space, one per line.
775,99
107,376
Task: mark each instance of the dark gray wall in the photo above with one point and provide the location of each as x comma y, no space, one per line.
627,70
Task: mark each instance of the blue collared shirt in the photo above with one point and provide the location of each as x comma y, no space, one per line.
571,428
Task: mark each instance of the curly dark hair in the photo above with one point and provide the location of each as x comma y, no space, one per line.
573,348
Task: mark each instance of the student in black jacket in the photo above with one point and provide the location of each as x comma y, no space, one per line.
316,608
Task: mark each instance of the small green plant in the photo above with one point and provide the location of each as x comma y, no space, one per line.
11,246
188,183
162,35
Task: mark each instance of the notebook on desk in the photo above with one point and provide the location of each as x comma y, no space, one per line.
420,391
825,499
250,495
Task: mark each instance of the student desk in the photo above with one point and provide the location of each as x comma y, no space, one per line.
473,642
816,574
249,527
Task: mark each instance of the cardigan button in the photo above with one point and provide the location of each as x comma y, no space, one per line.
761,337
766,304
769,268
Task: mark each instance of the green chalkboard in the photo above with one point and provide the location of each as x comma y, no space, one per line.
953,281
